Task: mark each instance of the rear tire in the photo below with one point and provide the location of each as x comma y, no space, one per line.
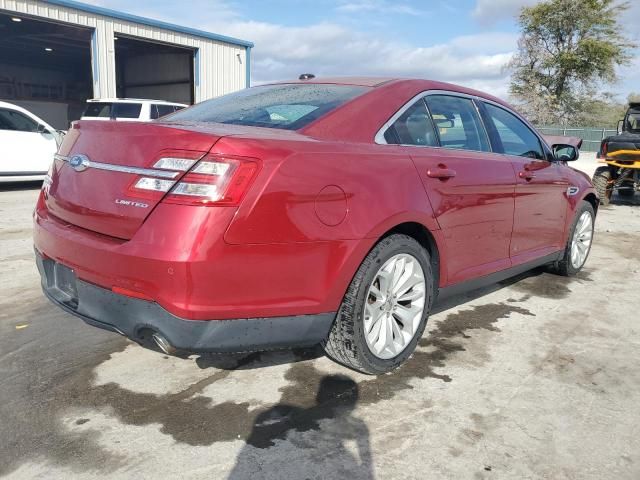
349,342
568,266
602,183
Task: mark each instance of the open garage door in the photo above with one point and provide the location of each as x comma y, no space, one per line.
45,67
152,70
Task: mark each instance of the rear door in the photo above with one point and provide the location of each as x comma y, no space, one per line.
470,188
541,192
25,150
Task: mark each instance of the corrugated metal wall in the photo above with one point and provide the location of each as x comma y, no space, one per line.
220,67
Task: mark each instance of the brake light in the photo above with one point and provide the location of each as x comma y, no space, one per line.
603,150
163,174
215,180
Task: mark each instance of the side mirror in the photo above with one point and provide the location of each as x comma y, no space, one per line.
42,129
620,126
565,153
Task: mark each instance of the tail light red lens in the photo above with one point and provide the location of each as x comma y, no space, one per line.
215,180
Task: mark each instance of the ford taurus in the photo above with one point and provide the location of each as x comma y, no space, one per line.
321,211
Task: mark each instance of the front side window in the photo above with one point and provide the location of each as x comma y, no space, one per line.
16,121
457,123
414,127
286,106
515,136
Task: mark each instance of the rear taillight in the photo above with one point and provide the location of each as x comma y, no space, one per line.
212,180
215,180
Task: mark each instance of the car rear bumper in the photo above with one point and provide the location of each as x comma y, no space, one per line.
179,260
138,319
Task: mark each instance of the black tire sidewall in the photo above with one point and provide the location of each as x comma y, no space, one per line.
399,244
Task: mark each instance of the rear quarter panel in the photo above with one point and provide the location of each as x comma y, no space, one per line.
317,191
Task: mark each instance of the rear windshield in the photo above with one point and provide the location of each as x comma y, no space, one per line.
286,106
113,110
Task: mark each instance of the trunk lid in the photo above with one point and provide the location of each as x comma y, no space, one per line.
99,197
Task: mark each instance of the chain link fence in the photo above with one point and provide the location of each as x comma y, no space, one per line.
591,137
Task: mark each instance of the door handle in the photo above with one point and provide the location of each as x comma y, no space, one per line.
527,175
441,173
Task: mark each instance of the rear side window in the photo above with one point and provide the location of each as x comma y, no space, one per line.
288,106
515,136
113,110
414,127
160,110
95,109
457,123
127,110
16,121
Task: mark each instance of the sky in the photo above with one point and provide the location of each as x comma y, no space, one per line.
467,42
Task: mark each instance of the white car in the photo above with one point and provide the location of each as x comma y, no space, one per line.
129,109
28,144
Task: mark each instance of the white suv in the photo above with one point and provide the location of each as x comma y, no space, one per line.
129,109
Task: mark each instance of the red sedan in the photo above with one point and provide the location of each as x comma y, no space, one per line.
320,211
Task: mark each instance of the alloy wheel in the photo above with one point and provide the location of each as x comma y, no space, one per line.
582,238
394,306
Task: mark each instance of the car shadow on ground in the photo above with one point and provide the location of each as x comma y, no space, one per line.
631,200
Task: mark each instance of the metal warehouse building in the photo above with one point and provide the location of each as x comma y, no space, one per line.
55,54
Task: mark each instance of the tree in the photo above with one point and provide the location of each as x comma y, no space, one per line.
568,50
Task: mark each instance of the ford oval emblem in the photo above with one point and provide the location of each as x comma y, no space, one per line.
79,163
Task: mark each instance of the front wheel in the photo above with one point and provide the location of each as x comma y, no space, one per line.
579,242
385,309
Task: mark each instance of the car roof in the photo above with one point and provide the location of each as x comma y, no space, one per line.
376,82
359,81
137,100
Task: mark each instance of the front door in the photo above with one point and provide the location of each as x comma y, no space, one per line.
541,201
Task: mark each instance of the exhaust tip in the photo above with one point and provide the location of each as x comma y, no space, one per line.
163,344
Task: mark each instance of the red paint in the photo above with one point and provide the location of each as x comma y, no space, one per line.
321,198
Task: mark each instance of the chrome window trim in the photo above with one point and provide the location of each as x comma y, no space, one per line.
124,169
380,140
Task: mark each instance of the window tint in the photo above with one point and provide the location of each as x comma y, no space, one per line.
414,127
16,121
457,123
287,106
98,109
127,110
160,110
113,110
514,135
